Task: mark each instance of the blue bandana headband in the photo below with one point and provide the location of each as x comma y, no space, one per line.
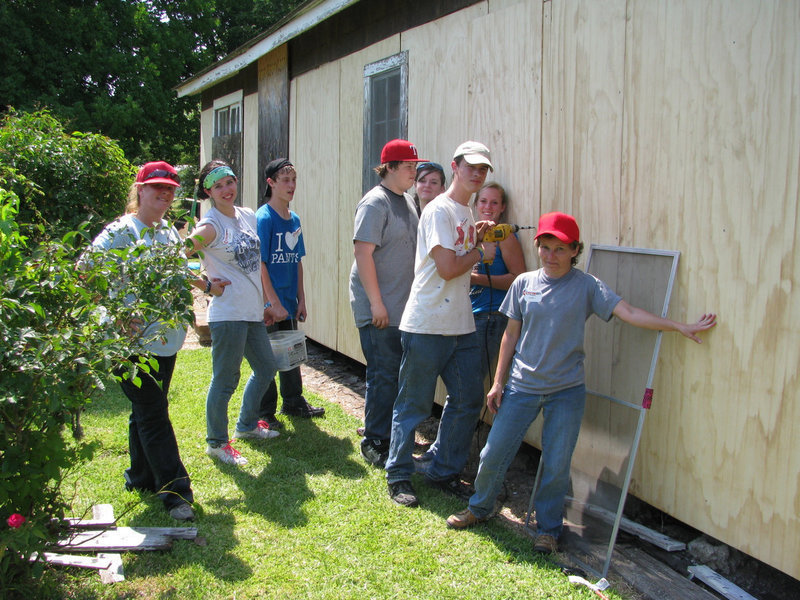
216,174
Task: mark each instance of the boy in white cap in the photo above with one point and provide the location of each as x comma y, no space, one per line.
438,332
384,243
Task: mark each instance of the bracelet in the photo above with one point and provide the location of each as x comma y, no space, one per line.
267,304
208,286
480,251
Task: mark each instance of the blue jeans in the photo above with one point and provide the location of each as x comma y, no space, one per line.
230,341
563,412
383,350
155,461
456,359
291,381
490,328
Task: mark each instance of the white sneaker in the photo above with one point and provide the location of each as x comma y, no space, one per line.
259,432
227,454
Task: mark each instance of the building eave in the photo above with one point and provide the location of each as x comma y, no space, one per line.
296,23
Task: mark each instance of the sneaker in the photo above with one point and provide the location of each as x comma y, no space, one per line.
260,432
464,519
403,494
546,544
452,485
271,422
182,512
304,410
227,454
375,452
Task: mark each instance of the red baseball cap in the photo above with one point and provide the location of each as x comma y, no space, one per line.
400,150
561,225
158,172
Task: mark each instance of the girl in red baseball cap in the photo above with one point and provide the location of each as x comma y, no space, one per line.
540,368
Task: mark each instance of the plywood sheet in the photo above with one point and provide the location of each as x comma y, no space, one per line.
711,149
505,105
440,62
351,142
582,81
314,129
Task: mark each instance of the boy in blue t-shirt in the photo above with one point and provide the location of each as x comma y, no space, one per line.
282,250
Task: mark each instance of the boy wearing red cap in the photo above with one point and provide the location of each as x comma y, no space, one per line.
384,243
541,355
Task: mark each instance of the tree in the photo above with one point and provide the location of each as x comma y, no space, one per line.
62,179
110,65
62,332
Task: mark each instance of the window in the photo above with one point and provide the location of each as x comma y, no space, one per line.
385,110
228,120
228,114
226,143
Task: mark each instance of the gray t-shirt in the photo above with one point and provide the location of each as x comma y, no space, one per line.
389,221
549,353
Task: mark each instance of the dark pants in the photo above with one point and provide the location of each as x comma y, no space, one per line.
155,461
291,381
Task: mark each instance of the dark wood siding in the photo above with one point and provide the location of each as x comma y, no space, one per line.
361,25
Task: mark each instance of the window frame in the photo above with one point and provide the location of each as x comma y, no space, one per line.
372,70
228,102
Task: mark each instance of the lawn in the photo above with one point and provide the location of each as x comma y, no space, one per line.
306,518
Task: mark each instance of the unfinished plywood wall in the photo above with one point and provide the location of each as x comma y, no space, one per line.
325,144
675,125
711,149
670,125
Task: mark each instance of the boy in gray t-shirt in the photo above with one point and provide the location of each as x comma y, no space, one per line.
384,243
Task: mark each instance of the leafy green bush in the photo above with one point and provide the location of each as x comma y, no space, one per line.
63,331
62,179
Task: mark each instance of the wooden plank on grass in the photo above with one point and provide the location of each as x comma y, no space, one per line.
114,572
102,517
120,539
719,584
74,560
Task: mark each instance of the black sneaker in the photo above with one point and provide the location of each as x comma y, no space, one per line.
304,410
403,494
375,452
452,485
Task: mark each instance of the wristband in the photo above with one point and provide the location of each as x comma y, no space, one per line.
480,251
208,286
267,304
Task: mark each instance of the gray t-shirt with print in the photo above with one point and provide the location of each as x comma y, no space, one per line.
549,354
389,221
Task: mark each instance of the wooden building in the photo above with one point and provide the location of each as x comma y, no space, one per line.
669,125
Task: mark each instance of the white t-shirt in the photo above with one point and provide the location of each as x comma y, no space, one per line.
124,232
235,255
436,306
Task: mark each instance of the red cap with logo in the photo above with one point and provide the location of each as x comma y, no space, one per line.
561,225
158,172
400,150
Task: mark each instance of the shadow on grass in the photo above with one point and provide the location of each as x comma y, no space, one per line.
281,489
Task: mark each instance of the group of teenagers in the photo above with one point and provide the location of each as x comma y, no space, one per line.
430,300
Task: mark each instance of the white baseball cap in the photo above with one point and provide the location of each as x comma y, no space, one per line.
474,153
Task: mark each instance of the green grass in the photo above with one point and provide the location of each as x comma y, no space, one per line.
306,518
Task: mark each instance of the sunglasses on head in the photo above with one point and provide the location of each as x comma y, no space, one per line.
162,173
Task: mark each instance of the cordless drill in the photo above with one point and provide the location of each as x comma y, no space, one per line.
501,231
